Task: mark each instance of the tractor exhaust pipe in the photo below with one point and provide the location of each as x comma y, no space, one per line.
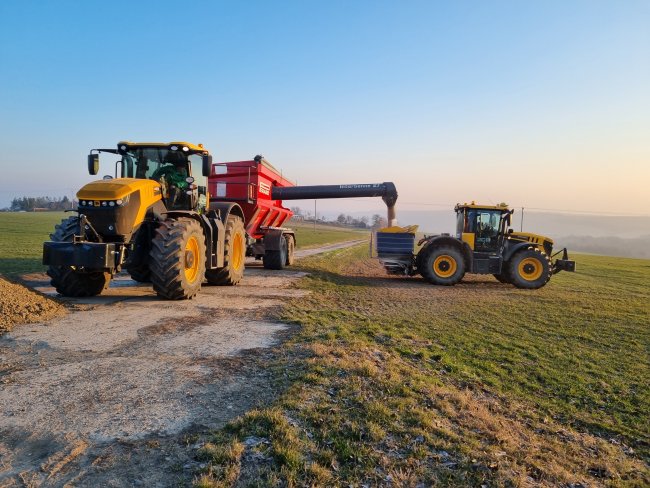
386,191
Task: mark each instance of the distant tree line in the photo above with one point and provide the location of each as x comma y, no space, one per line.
364,222
30,204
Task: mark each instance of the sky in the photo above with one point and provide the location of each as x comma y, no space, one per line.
543,105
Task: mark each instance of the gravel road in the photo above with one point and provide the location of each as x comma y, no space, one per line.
117,392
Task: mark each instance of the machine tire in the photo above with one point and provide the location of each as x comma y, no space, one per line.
503,277
291,247
177,259
140,273
442,265
234,255
529,269
276,259
68,280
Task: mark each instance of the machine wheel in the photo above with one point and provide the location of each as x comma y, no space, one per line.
234,254
442,265
530,269
71,281
504,277
291,246
276,259
140,273
177,259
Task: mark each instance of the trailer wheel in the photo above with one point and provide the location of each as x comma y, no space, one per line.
71,281
234,255
177,259
291,246
530,269
276,259
442,265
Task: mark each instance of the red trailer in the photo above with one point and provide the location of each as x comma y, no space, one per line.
259,189
249,183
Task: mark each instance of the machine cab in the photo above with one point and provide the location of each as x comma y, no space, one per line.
482,227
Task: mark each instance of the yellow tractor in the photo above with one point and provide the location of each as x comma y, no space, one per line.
483,244
152,219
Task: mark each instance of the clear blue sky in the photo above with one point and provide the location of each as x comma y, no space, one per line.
542,104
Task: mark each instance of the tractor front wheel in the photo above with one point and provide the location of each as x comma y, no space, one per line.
442,265
529,269
234,254
72,281
177,259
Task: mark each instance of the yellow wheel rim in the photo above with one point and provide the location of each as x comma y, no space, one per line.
191,259
237,251
444,266
530,269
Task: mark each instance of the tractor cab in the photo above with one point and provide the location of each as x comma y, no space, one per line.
180,168
482,227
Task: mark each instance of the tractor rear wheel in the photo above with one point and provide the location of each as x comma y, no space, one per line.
177,259
442,265
503,277
530,269
234,254
140,273
277,258
71,281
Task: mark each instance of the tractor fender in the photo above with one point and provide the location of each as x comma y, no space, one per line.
223,209
510,250
447,241
272,239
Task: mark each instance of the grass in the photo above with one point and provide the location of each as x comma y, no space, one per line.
391,380
22,236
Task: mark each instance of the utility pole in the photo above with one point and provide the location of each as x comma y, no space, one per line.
522,220
315,215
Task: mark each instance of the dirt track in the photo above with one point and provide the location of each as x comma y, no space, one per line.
114,393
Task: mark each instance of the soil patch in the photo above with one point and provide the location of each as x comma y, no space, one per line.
19,305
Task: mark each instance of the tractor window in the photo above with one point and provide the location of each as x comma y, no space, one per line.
488,223
201,182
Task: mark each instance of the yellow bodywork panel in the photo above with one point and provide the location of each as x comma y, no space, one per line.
530,237
120,188
469,238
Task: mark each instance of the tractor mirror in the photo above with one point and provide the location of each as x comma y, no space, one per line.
93,164
207,164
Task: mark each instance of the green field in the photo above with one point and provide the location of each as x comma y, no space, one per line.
22,236
391,380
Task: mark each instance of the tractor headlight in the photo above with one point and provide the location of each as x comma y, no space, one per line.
119,202
111,203
82,202
185,148
174,148
104,204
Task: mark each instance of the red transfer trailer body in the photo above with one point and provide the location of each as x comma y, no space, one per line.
249,184
259,189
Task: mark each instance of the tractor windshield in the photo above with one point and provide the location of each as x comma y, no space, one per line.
150,163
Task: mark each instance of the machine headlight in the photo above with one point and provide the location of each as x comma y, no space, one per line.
111,203
104,204
82,202
185,148
174,148
120,202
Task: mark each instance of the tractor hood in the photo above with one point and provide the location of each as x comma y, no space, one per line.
118,188
529,237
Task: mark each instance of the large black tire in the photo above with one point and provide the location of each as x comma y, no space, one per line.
291,247
72,281
529,269
276,259
140,273
234,255
441,265
177,259
504,277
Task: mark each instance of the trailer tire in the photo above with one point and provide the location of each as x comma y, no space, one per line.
441,265
276,259
291,247
529,269
234,255
177,259
68,280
